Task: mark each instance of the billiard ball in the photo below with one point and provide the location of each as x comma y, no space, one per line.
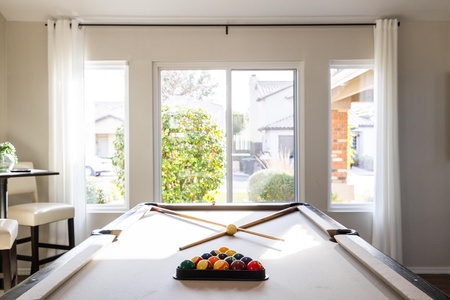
230,252
206,255
231,229
187,264
246,260
214,252
223,249
196,259
229,259
238,265
204,265
221,265
238,256
213,259
222,256
255,265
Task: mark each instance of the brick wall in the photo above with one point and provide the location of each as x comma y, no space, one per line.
339,131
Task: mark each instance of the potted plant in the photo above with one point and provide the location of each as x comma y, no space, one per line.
8,157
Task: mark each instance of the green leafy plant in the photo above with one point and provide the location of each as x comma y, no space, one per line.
8,148
118,159
193,155
270,185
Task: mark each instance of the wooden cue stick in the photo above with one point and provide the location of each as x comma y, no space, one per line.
210,238
269,217
260,234
171,212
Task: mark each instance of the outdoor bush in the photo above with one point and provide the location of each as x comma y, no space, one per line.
192,155
271,185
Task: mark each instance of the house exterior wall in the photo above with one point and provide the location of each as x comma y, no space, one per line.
424,66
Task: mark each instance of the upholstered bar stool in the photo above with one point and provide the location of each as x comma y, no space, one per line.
8,235
36,214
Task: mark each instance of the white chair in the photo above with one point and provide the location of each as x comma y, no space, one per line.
35,214
8,234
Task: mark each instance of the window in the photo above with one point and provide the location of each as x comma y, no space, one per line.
227,135
106,97
352,119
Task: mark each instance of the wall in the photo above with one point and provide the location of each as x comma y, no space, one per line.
3,94
423,94
424,109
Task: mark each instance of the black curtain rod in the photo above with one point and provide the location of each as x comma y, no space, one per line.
226,26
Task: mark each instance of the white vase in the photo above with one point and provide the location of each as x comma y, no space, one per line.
7,162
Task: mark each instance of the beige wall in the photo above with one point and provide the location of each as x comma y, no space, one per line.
3,107
423,91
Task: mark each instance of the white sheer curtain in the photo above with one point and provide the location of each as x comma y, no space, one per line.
66,121
387,232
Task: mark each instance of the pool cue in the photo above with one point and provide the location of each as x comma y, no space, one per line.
270,217
171,212
210,238
260,234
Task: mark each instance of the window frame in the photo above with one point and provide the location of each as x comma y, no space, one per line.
346,207
114,65
299,117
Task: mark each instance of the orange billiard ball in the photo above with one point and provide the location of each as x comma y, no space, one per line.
221,265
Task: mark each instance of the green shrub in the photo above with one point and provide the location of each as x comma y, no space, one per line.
193,155
271,185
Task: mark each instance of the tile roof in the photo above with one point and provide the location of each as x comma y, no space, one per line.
265,88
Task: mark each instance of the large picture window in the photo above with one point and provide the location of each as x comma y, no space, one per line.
227,134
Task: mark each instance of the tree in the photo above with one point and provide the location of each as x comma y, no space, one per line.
118,159
196,84
193,155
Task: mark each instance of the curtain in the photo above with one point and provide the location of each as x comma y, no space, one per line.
387,232
66,123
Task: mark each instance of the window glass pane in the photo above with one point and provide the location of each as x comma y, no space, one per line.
105,98
227,148
352,135
263,135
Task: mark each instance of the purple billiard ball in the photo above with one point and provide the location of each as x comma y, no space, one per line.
246,260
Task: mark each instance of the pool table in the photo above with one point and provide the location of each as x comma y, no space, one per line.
305,255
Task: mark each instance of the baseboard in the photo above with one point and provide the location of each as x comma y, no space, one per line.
430,270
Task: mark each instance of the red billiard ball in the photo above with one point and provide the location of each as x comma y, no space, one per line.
238,265
255,265
196,259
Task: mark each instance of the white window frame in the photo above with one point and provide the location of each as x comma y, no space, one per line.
345,207
115,208
299,118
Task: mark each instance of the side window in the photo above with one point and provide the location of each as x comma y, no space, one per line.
106,97
353,151
227,135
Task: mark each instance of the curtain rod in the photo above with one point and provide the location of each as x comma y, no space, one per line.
226,26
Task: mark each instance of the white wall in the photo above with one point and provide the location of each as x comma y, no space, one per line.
423,92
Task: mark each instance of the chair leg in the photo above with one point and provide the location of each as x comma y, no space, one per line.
71,232
34,230
9,259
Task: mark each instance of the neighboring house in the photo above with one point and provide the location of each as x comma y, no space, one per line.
273,131
108,117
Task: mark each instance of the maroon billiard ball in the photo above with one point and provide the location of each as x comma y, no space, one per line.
238,265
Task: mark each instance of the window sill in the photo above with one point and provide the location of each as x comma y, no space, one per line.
106,208
356,207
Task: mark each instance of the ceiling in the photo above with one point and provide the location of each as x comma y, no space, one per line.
230,11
